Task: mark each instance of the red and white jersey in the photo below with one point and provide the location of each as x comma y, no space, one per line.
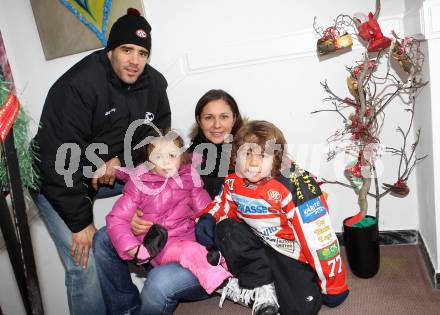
303,231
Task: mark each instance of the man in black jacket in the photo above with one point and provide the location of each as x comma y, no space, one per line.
85,118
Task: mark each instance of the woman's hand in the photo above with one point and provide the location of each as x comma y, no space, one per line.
139,226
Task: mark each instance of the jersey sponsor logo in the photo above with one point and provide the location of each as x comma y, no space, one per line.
269,231
230,183
329,252
250,206
268,239
141,33
285,245
325,238
149,117
321,230
274,195
312,210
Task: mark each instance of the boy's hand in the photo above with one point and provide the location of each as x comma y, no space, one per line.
139,226
205,229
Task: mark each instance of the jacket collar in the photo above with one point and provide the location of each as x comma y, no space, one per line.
187,176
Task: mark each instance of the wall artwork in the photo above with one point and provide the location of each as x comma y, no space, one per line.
67,27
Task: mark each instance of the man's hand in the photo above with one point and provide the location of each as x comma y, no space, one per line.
139,226
81,244
106,174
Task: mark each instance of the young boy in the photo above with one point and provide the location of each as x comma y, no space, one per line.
274,230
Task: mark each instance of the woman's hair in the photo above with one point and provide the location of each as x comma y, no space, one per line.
261,133
214,95
167,135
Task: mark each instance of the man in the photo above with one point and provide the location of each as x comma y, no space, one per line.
85,117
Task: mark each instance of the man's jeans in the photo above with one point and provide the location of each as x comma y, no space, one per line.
164,286
83,291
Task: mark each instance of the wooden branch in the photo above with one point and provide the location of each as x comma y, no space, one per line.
329,91
376,185
386,104
336,182
365,189
386,192
376,14
318,30
360,91
329,110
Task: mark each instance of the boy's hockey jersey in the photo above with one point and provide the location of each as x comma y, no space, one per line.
290,215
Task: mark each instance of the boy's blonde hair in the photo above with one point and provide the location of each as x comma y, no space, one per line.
260,132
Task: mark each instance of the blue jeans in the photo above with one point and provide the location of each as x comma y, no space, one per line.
164,286
83,290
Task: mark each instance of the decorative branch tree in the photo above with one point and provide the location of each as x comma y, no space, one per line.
373,86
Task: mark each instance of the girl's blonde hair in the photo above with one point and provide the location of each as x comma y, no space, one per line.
262,133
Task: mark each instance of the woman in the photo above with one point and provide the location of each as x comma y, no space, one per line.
217,115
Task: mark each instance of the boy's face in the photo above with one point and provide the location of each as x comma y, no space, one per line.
253,164
166,158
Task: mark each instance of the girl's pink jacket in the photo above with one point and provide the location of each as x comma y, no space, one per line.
171,202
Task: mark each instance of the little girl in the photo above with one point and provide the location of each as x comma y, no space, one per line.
274,229
169,195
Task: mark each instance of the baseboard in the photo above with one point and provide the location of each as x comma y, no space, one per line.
396,237
434,276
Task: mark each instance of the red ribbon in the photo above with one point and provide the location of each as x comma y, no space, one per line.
356,170
405,42
358,69
8,115
330,33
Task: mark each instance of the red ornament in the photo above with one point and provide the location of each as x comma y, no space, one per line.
332,41
8,115
398,189
358,69
370,31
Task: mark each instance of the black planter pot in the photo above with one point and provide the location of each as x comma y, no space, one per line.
362,247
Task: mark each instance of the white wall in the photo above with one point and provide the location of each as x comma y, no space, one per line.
263,53
429,120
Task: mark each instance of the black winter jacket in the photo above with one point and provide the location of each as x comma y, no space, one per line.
89,105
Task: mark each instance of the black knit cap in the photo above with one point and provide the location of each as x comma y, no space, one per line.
131,28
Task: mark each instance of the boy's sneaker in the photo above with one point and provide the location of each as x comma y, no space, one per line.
266,302
233,292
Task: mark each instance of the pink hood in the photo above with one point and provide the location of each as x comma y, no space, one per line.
171,202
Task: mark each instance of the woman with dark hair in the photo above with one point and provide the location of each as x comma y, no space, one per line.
217,116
